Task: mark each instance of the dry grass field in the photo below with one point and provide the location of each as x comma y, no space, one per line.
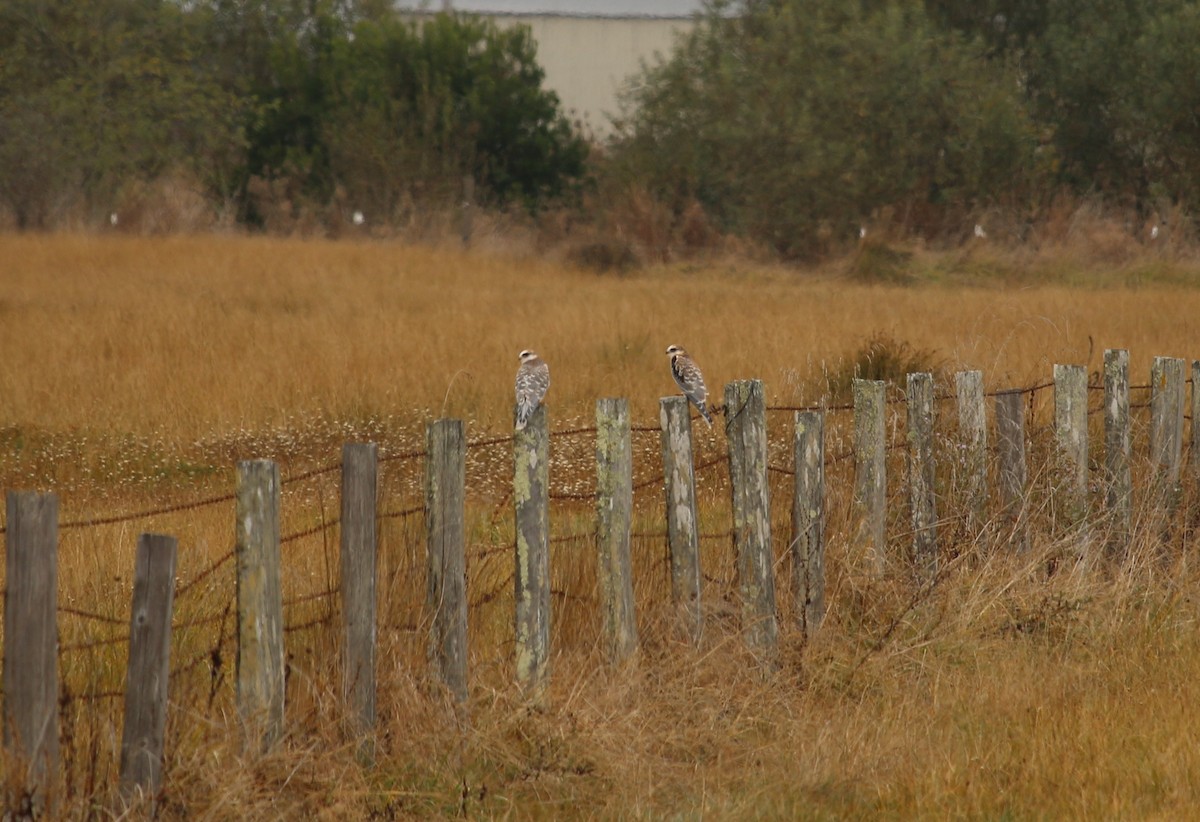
136,371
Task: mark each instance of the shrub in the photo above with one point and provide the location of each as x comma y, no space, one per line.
794,122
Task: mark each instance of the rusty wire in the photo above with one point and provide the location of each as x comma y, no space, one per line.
207,572
78,612
93,522
308,532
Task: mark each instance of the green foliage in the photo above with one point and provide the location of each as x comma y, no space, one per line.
798,121
1112,84
333,98
411,108
96,93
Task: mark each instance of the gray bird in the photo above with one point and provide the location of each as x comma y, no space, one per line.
689,379
533,378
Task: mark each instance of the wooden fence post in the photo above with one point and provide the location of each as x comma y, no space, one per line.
1118,486
31,635
531,499
870,473
359,543
614,523
1014,473
149,665
808,520
746,430
921,476
1192,516
679,480
1071,439
1166,436
1194,441
260,654
972,427
446,568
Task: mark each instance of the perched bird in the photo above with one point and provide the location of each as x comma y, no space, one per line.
533,378
689,379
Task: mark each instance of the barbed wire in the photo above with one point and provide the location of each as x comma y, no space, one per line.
315,472
297,600
307,532
312,623
82,614
404,513
404,455
180,590
93,522
90,644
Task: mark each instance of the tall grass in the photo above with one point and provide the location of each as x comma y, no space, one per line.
136,371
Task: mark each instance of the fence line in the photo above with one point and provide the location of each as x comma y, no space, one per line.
259,669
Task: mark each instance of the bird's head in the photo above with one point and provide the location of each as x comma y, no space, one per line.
527,356
672,350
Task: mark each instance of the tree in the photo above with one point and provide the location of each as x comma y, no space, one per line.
794,122
94,94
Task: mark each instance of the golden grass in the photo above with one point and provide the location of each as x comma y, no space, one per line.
136,371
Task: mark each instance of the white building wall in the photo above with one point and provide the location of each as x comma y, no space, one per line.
588,59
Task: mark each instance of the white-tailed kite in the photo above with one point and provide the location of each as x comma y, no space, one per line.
689,379
533,378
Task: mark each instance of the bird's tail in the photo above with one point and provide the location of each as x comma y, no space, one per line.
704,412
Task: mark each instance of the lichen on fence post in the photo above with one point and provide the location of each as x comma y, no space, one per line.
1071,449
149,665
446,568
260,655
614,522
359,558
921,475
973,460
1118,482
746,430
1014,472
683,538
808,521
870,474
531,501
31,637
1166,438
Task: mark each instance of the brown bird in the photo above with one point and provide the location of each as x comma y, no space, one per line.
533,379
689,379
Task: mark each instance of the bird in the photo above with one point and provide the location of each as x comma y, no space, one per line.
533,378
689,379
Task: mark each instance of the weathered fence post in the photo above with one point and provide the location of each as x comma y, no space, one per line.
870,473
149,665
1194,441
679,480
359,541
260,654
1118,486
446,567
1070,435
973,462
1166,437
31,635
746,430
614,523
1193,513
531,499
921,475
808,520
1014,473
